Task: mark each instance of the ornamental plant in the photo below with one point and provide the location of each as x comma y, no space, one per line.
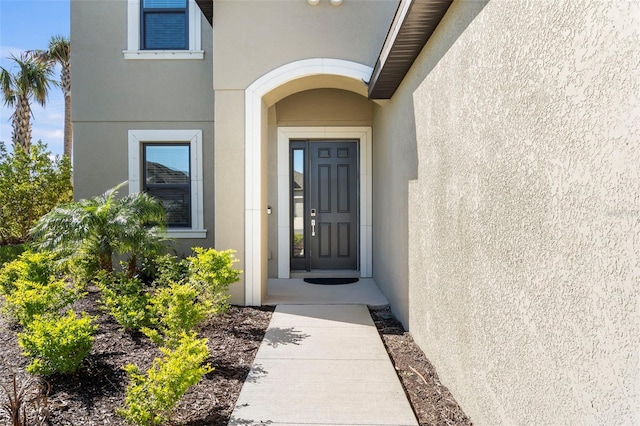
31,184
210,273
57,345
125,299
168,269
150,397
104,226
29,287
37,267
174,311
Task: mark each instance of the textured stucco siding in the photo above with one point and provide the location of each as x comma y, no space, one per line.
253,38
112,95
524,217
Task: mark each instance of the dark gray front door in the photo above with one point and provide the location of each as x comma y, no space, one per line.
325,218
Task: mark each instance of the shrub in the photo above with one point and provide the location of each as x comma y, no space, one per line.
57,345
11,252
31,299
29,288
31,184
37,267
175,310
102,227
150,397
125,300
211,272
168,269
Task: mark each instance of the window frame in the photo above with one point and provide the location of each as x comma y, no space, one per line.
134,32
136,140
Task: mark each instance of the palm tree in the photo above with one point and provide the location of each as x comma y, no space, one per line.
60,53
101,227
31,82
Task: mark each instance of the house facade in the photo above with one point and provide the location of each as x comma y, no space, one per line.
477,159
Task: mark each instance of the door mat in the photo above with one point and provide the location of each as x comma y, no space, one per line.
331,281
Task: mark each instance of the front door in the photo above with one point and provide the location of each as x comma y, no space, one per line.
324,205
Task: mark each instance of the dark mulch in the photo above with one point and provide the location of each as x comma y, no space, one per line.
90,396
432,402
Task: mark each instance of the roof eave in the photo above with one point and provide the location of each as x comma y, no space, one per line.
207,9
414,23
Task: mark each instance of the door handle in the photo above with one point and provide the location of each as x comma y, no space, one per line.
313,227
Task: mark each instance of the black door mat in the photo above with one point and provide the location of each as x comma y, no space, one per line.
331,281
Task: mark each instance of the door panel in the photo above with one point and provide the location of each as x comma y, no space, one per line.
334,195
324,203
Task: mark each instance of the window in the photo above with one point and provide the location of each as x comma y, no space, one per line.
168,165
166,176
165,25
164,29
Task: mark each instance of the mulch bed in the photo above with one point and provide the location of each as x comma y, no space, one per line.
431,401
90,396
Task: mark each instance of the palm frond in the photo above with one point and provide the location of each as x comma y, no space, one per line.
7,85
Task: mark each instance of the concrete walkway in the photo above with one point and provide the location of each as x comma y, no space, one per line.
322,365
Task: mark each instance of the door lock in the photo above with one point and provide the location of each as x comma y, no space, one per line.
313,212
313,227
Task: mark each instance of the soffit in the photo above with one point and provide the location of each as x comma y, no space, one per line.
207,9
413,24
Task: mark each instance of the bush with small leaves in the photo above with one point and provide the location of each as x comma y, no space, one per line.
37,267
31,299
211,272
11,252
31,184
175,310
166,269
57,345
125,299
151,397
29,287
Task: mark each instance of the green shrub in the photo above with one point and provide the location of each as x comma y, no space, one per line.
29,287
150,397
211,272
81,270
168,269
31,184
36,267
103,227
57,345
11,252
125,300
175,310
31,299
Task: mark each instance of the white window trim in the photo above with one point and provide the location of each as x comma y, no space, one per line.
133,36
194,137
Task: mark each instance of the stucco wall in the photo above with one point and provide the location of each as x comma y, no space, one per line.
253,38
524,215
112,95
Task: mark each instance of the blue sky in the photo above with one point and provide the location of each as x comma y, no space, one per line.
28,25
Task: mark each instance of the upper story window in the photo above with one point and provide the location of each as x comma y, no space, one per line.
164,29
165,25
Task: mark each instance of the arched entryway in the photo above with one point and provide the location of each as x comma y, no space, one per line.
264,92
